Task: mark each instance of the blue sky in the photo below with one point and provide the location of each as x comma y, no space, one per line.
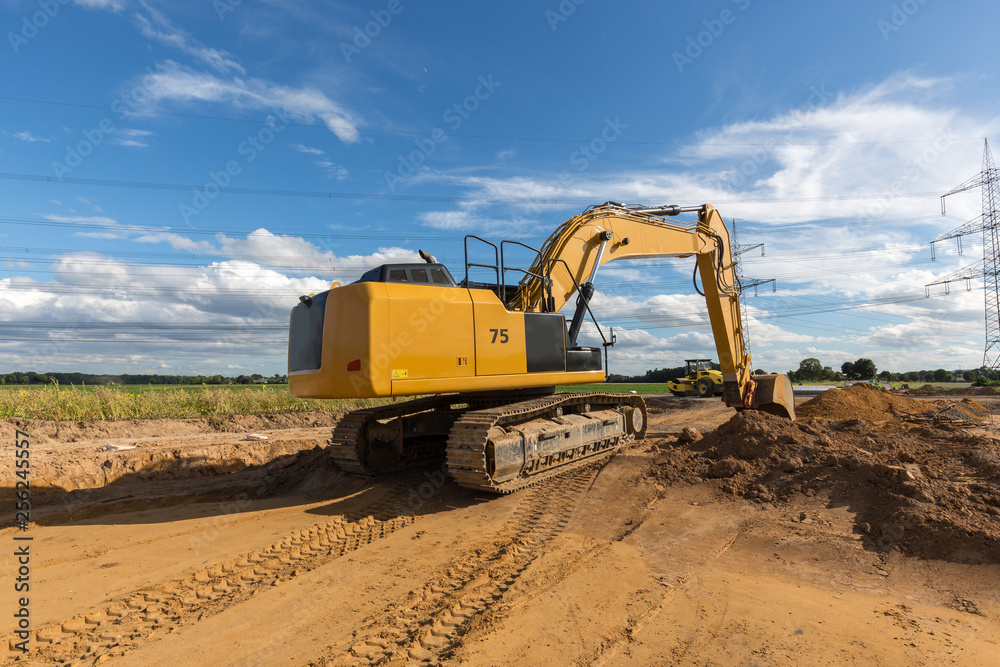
330,137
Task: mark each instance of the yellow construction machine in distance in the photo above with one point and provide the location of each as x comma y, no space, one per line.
700,379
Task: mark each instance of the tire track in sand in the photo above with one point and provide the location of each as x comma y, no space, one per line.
122,625
428,625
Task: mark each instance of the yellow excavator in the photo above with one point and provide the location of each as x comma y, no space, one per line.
485,357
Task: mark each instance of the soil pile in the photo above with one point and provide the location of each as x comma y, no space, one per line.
933,491
858,401
975,408
71,456
656,405
62,432
929,389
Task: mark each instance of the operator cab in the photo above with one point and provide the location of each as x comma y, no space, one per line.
415,274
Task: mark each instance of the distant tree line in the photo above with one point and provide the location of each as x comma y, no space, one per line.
31,377
812,370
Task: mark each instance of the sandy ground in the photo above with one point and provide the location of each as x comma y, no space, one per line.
282,560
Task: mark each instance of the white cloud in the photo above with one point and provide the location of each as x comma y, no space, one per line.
330,169
333,170
859,146
295,252
91,219
239,293
467,219
156,26
27,135
307,149
86,202
113,5
174,82
131,138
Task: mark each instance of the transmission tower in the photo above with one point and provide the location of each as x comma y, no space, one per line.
744,284
988,269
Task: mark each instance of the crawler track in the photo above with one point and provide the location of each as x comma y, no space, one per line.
468,446
349,436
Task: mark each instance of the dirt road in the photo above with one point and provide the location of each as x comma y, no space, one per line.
282,560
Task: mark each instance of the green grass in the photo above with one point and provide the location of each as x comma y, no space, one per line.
616,388
91,403
936,385
146,388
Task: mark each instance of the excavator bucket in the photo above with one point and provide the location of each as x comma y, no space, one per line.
774,395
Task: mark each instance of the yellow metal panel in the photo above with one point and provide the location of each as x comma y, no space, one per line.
499,336
365,308
493,382
430,332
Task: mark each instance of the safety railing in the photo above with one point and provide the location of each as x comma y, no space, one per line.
504,269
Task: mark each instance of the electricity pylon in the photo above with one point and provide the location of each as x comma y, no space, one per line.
744,284
989,224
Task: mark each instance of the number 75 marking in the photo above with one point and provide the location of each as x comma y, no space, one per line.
502,333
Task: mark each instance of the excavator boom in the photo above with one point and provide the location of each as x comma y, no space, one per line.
613,231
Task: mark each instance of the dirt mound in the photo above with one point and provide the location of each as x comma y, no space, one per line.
974,405
858,401
70,456
932,491
929,389
974,391
656,405
43,431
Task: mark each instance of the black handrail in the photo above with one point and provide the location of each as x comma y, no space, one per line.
496,256
504,269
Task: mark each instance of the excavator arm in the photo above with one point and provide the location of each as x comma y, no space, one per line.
568,262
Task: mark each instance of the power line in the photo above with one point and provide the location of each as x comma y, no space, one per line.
836,224
101,182
143,229
368,128
125,227
124,327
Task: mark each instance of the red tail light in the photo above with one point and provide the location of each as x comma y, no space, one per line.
354,366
